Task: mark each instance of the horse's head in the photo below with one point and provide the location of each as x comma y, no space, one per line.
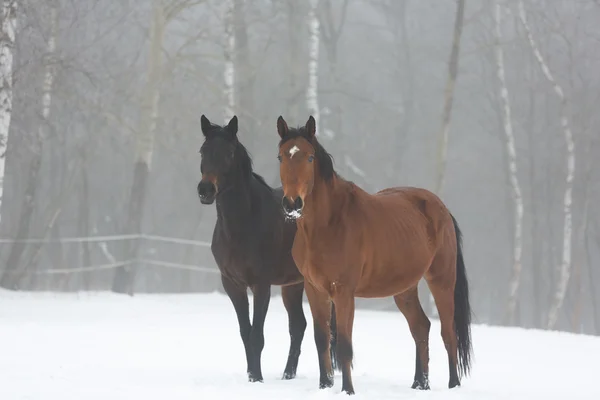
217,157
301,157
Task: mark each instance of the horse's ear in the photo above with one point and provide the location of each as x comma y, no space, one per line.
311,127
232,126
205,124
282,127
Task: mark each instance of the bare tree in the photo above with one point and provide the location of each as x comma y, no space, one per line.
84,217
330,33
397,18
449,97
565,269
7,44
294,67
535,198
229,70
511,151
124,276
13,272
312,92
244,70
163,13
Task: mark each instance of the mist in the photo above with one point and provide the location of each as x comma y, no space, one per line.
491,105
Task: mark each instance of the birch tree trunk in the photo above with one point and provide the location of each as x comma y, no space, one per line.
449,97
229,71
295,67
14,273
312,92
123,281
244,75
7,45
330,33
565,268
515,277
408,96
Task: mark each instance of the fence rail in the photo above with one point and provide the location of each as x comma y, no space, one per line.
109,238
114,264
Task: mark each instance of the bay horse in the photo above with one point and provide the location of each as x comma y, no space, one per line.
251,242
351,244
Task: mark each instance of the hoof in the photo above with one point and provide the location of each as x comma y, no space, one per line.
349,392
254,378
326,384
420,385
453,384
288,375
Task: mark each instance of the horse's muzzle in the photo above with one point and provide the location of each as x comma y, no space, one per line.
207,192
293,209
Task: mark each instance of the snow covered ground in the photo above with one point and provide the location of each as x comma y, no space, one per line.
103,346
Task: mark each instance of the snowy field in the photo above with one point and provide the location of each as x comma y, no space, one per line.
103,346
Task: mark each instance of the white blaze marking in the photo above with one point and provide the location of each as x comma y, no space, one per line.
293,151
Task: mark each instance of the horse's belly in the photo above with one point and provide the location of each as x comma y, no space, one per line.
286,274
388,281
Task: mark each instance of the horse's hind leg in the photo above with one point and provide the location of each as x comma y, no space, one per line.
292,300
441,285
408,303
262,296
239,298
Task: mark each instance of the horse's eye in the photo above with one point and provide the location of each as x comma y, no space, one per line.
279,158
311,158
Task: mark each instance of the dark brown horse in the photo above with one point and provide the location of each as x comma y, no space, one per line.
353,244
251,242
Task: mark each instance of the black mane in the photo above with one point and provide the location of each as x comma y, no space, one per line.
325,160
261,180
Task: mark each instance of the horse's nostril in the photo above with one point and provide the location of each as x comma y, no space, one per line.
290,206
285,202
205,189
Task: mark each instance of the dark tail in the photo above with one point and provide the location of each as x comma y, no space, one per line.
462,308
333,344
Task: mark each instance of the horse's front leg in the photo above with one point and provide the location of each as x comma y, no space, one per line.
292,300
343,299
320,307
239,298
262,296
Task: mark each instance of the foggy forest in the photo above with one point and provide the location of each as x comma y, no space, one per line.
490,104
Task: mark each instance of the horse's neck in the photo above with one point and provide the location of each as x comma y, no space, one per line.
234,206
325,202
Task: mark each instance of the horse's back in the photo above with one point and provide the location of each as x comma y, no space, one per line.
411,202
